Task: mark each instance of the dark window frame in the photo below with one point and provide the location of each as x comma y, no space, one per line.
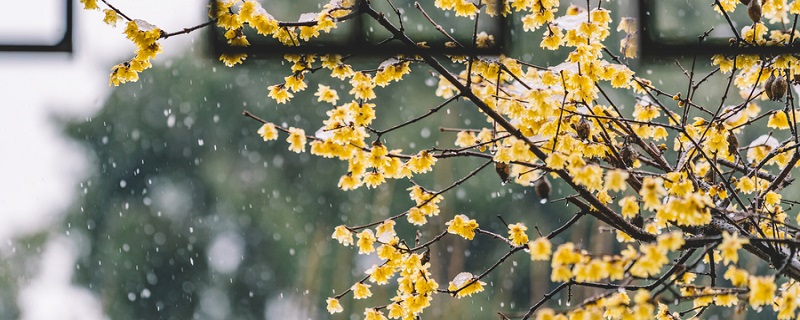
63,45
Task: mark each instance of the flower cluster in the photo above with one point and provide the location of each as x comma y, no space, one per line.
666,172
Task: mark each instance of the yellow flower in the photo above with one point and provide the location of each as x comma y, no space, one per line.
232,59
592,271
374,179
738,277
772,198
422,162
380,274
111,17
540,249
389,253
465,8
556,161
704,300
342,71
652,191
463,279
561,274
325,93
296,140
268,132
395,311
334,306
778,120
787,302
365,240
762,290
279,93
645,111
565,255
264,24
725,65
553,39
589,176
425,286
122,73
142,34
386,229
416,217
465,139
517,234
295,82
629,206
463,226
372,314
349,182
729,247
361,291
746,185
726,300
343,235
680,187
651,261
89,4
671,241
416,303
615,180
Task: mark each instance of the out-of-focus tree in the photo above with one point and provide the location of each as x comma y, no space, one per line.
183,216
676,178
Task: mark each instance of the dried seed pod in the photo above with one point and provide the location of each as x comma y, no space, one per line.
583,128
638,221
426,256
745,2
628,155
754,10
768,86
779,87
711,176
503,171
542,187
733,144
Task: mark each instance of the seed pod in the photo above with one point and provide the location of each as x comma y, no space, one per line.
426,257
583,129
745,2
542,188
711,176
779,87
638,221
768,86
628,155
754,10
503,171
733,144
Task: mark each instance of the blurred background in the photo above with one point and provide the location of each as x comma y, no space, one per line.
158,200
